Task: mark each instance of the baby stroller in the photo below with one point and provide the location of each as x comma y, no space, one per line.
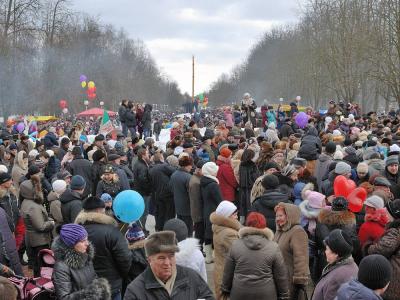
40,288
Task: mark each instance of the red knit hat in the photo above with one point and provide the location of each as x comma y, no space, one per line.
256,220
225,152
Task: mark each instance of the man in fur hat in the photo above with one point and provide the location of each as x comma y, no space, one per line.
164,279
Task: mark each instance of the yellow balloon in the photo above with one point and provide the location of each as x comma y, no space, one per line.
83,84
91,84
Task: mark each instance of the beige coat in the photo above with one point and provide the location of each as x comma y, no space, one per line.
19,169
293,242
225,232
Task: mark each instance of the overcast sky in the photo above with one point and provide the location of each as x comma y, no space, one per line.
219,33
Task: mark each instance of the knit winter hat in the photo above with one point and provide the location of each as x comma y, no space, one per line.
339,242
342,168
375,202
270,182
59,186
77,183
350,150
93,202
177,226
374,271
106,197
71,234
330,147
225,152
392,160
76,151
338,155
210,169
226,209
315,199
339,204
393,208
256,220
134,233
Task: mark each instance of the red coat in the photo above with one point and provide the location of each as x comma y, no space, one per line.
370,232
226,177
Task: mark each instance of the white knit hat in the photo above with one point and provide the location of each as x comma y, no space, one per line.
59,186
3,169
375,202
338,155
226,209
210,169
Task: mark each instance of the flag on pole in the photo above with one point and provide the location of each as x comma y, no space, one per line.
106,124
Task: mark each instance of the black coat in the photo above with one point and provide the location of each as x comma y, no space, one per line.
210,197
141,178
130,118
50,140
179,184
188,286
248,173
82,167
266,203
74,276
113,258
146,118
311,145
9,202
96,171
121,113
71,205
160,175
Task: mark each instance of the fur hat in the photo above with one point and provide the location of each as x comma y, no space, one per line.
162,241
97,155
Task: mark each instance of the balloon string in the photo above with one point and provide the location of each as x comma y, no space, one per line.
122,227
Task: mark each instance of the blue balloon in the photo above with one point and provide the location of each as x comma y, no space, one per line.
128,206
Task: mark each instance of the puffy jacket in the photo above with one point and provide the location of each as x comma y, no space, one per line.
255,267
311,145
266,205
83,167
179,184
142,181
74,276
130,118
113,258
160,175
355,290
121,113
210,198
71,205
52,167
226,178
188,286
50,140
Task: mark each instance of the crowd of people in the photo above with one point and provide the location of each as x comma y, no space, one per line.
259,205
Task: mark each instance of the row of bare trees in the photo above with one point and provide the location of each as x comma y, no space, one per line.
340,49
45,46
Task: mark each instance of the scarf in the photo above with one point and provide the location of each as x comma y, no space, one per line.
212,177
169,285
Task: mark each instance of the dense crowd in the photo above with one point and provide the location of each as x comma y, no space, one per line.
266,202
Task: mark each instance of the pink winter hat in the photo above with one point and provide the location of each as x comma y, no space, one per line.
315,199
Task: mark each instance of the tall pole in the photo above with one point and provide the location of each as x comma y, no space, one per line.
192,79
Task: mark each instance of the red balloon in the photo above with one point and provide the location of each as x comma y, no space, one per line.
63,104
356,199
343,186
91,90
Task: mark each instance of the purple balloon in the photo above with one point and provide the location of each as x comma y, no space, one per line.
20,127
301,119
82,78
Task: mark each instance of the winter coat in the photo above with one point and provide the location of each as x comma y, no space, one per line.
226,231
74,276
50,140
82,167
113,187
226,178
394,181
329,220
255,267
71,205
146,119
257,190
333,276
8,250
354,290
196,205
130,119
210,198
188,286
55,208
19,170
293,242
311,145
327,184
121,113
157,126
266,203
389,246
248,173
322,167
142,182
179,184
286,186
37,223
113,258
286,130
160,175
139,260
190,256
52,168
96,171
9,202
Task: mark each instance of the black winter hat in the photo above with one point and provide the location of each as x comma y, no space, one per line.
339,242
374,271
93,202
393,208
330,148
97,155
32,170
339,204
177,226
65,141
99,138
270,182
76,151
271,165
4,177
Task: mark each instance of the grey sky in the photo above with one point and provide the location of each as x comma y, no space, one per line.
219,33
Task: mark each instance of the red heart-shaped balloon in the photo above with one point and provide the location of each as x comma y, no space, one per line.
343,186
356,199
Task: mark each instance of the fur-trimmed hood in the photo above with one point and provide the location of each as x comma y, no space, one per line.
255,238
32,189
328,216
220,222
293,215
94,217
20,160
186,248
69,256
136,245
5,192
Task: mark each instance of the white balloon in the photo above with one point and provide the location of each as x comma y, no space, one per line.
65,110
298,98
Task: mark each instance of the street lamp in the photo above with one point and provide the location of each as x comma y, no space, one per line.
86,103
